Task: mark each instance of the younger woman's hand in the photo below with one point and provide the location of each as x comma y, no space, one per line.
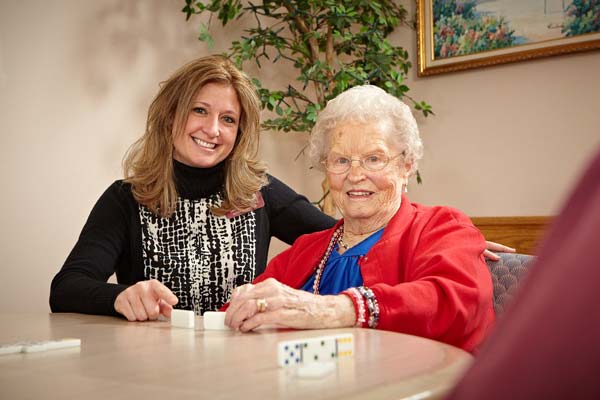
493,246
145,300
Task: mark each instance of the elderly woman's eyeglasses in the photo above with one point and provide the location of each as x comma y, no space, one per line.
338,164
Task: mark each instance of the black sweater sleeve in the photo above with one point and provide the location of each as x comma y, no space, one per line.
291,214
81,285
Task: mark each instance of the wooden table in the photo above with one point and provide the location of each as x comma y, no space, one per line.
125,360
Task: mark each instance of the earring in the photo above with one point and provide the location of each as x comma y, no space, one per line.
406,188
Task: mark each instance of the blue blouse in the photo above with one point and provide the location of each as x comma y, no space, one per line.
342,270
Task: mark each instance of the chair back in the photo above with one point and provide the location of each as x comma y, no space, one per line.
507,273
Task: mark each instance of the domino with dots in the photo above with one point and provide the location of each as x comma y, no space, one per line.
317,349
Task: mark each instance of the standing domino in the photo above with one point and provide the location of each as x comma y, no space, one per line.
317,349
183,319
214,320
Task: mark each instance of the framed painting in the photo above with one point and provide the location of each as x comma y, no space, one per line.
455,35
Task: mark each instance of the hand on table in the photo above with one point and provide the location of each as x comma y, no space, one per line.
493,246
284,306
145,300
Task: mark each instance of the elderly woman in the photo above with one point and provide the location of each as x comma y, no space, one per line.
388,264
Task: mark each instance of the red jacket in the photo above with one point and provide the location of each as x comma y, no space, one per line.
427,272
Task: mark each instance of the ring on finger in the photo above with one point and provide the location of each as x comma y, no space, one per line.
261,304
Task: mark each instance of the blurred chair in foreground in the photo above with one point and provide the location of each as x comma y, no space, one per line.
547,343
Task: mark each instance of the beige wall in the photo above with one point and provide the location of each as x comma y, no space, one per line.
76,79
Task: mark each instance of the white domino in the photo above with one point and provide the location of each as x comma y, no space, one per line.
11,348
34,346
44,345
214,320
314,350
315,370
63,343
183,319
39,346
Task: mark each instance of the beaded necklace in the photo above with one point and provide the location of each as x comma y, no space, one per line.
321,267
342,243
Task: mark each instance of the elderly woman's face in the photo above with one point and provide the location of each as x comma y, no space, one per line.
360,193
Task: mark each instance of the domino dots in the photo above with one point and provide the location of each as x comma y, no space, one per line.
311,350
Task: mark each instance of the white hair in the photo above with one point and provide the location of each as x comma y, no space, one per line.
367,104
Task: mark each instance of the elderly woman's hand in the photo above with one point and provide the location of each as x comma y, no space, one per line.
270,302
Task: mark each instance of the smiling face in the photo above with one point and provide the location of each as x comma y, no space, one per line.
211,128
366,199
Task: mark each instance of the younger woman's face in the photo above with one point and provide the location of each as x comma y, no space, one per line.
211,128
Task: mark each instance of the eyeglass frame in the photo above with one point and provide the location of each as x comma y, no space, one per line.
362,163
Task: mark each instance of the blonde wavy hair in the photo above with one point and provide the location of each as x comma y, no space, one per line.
148,164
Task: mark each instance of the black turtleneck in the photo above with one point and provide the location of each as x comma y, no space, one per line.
201,257
195,183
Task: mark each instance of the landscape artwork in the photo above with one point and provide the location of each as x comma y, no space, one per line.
455,35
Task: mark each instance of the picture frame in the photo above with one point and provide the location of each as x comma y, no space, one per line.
455,35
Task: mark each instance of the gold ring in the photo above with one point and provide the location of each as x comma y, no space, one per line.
261,304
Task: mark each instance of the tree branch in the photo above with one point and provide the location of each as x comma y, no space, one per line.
329,52
313,46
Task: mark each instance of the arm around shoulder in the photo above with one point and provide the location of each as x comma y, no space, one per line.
291,214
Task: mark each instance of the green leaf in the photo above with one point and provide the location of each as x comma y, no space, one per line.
205,36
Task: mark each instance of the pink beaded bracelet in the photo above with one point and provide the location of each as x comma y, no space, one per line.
359,305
